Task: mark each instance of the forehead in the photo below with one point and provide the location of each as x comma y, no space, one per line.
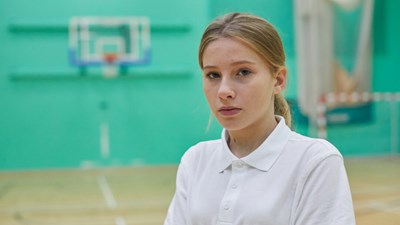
226,43
230,49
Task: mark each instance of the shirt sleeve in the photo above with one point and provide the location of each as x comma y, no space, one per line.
325,197
177,209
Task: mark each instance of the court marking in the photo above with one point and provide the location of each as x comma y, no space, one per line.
107,193
389,204
376,189
377,206
109,197
120,221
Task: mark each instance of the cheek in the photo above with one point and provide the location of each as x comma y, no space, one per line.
206,90
209,94
261,95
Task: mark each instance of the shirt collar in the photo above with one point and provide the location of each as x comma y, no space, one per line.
264,157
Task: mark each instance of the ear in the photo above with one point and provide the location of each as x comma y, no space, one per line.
280,80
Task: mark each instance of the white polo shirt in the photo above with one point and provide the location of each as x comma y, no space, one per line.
288,180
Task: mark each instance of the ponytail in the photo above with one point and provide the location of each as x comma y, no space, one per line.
282,109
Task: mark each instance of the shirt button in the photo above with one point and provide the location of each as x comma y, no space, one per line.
238,164
234,186
226,207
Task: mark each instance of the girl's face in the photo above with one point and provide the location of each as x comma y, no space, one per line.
239,86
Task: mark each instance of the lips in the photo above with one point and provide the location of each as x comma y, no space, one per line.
229,110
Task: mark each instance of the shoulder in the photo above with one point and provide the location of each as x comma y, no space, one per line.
317,160
313,146
310,153
201,151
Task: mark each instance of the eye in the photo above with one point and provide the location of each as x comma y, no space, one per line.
244,72
212,75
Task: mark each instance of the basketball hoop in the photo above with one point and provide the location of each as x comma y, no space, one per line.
110,57
110,67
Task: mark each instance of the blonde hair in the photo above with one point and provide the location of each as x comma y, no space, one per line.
261,36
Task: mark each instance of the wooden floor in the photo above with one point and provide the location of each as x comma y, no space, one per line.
375,185
140,196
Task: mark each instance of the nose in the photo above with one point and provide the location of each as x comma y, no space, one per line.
226,90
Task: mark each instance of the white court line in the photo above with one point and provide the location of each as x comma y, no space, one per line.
376,189
120,221
382,204
377,205
107,193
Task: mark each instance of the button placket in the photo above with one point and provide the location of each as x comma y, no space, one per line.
232,192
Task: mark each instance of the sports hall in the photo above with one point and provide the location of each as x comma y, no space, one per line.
100,99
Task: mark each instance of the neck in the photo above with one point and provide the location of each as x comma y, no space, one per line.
243,142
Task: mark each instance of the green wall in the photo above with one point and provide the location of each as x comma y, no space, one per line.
386,46
50,115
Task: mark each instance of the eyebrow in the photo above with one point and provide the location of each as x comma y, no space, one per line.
232,64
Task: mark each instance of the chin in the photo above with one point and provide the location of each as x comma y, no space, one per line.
230,125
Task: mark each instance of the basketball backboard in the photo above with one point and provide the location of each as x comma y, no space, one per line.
109,42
